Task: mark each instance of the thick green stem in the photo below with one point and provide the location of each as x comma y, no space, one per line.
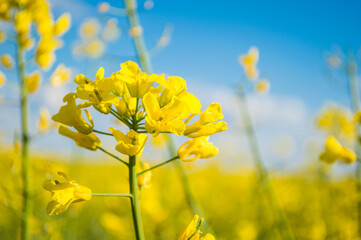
27,204
355,104
282,222
135,201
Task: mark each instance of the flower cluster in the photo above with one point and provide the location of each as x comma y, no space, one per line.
28,12
335,151
152,104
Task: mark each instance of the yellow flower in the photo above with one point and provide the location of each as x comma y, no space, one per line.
166,119
136,31
2,79
126,106
90,141
103,7
98,92
111,31
2,36
196,148
32,82
89,28
7,61
70,115
62,25
192,232
43,122
335,151
60,76
263,86
63,193
138,82
249,62
207,125
144,179
130,144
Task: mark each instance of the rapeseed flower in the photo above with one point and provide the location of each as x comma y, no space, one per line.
249,62
7,61
89,141
63,193
60,76
335,151
32,82
192,232
131,144
196,148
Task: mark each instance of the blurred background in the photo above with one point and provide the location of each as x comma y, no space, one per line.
305,51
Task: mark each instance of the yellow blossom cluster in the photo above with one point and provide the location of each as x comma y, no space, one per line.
93,37
249,63
25,13
335,151
145,103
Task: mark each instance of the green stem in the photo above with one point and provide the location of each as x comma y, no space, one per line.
282,222
111,195
158,165
112,155
351,71
27,204
119,117
135,201
104,133
139,43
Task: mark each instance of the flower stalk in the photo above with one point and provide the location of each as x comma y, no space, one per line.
27,205
284,228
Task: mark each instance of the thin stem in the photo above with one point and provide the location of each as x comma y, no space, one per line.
115,114
27,204
282,222
104,133
111,195
135,201
112,155
159,165
354,94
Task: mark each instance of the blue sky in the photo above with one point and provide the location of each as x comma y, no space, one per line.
293,38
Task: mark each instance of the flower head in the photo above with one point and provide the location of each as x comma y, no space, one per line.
7,61
90,141
70,115
335,151
63,193
192,232
131,144
196,148
60,76
32,82
249,62
207,125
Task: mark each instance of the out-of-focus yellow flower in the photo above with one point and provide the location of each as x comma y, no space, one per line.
44,120
138,82
60,76
2,79
166,119
2,36
160,141
192,232
94,48
335,151
103,7
63,193
334,61
90,28
62,25
111,31
7,61
249,62
196,148
32,82
135,31
131,144
207,125
112,223
90,141
144,179
70,115
336,120
262,86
